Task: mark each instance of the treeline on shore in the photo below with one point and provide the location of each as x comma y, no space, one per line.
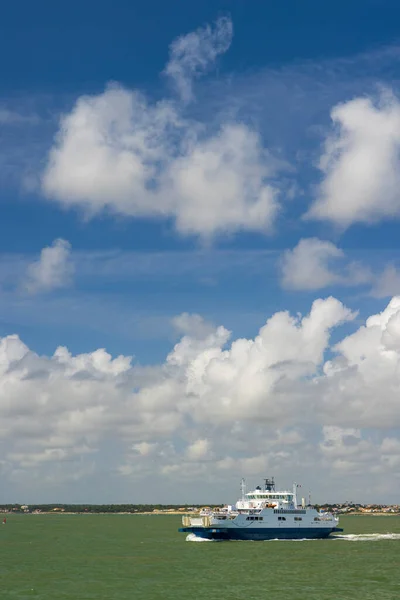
96,508
148,508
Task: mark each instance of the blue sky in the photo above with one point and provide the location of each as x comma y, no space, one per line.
92,42
221,161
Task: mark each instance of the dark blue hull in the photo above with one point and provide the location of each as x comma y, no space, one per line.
260,534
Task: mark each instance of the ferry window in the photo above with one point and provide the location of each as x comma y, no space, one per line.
298,519
281,518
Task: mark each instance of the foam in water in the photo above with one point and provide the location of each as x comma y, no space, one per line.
293,540
351,537
367,537
191,537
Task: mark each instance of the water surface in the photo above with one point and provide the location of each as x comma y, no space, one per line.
123,557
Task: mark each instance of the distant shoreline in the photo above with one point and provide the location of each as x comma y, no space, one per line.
177,513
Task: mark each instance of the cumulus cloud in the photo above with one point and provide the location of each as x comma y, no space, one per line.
118,152
360,163
53,270
221,184
367,363
214,407
192,54
315,264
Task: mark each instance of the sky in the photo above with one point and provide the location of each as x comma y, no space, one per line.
199,250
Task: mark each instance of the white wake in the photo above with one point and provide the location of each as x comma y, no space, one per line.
367,537
192,537
350,537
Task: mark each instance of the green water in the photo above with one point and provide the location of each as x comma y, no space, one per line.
122,557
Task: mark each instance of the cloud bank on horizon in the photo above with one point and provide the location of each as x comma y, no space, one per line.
248,405
316,395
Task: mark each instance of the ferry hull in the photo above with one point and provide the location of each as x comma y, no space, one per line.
260,534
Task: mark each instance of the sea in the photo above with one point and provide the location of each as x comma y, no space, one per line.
135,557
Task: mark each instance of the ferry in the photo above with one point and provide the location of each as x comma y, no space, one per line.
263,514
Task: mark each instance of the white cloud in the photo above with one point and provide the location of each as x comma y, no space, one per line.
192,325
283,105
214,410
363,379
118,152
12,117
345,451
220,184
361,163
145,449
307,266
199,450
53,270
192,54
315,264
387,283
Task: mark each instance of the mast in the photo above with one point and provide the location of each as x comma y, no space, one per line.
295,494
243,488
270,485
